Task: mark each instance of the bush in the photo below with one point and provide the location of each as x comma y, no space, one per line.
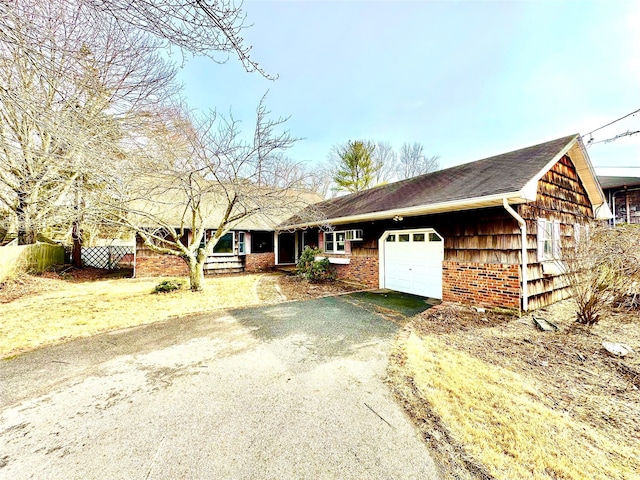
167,286
603,269
312,269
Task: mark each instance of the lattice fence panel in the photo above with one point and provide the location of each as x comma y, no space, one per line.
108,258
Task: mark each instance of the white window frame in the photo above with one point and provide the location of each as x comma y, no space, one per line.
548,240
223,254
332,238
241,243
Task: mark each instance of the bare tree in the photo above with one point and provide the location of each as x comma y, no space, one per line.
70,90
211,28
386,158
413,161
207,180
603,266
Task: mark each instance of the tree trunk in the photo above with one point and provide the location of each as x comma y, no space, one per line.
26,237
26,233
196,271
76,254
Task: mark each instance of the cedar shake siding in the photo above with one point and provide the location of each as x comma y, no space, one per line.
563,198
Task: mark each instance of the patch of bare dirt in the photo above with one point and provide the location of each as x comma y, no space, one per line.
297,288
23,286
571,367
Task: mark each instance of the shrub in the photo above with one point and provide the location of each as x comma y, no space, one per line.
603,268
167,286
312,269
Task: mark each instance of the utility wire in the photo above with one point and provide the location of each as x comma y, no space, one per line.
628,133
611,123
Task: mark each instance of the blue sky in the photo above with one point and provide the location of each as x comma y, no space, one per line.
466,79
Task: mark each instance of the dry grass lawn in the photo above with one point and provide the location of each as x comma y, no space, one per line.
56,310
513,402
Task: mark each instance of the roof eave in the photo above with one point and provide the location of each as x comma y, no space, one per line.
444,207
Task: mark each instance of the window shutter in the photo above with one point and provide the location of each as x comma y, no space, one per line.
556,239
542,223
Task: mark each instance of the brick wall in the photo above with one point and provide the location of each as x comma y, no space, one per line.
362,269
259,262
160,266
481,284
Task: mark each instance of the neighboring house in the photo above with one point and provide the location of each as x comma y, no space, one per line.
489,233
623,197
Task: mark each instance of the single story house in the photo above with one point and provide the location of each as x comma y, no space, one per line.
251,245
623,197
488,233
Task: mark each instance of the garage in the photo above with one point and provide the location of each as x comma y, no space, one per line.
411,261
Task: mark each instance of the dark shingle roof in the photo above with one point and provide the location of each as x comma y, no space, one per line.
616,182
506,173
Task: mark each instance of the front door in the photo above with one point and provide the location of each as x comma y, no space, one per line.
286,248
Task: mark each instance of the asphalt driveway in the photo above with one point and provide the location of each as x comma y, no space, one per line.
294,390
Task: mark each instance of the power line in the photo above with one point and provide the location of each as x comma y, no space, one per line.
628,133
611,123
608,166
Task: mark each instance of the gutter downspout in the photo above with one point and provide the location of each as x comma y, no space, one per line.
523,242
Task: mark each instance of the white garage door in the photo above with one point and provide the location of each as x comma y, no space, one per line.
411,262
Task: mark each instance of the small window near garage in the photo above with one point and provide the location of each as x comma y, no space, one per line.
329,242
334,242
391,238
548,239
403,237
433,237
418,237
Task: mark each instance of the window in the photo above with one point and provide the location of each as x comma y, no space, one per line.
391,238
418,237
241,244
433,237
404,237
261,242
328,242
334,242
548,240
225,244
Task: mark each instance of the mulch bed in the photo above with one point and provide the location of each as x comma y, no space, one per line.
297,288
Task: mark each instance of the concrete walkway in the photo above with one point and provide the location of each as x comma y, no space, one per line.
294,390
